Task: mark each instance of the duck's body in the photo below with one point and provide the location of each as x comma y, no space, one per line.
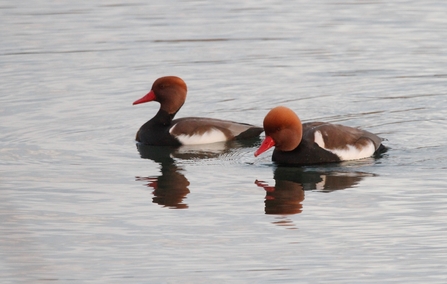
314,142
164,130
161,130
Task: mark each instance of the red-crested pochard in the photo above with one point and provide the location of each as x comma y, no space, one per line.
314,142
164,130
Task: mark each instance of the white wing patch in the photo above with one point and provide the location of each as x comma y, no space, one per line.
211,136
318,138
350,152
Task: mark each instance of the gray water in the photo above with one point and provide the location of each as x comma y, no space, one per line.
80,203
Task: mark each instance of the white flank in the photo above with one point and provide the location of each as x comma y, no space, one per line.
211,136
318,138
350,152
216,148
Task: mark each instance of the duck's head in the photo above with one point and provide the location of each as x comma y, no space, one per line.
169,91
283,129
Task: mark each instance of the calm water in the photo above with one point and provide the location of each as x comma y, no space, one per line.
80,203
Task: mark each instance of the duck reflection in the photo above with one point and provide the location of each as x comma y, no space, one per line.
171,187
287,196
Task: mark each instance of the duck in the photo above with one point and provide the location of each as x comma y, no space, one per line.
164,130
310,143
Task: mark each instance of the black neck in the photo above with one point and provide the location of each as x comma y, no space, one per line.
162,118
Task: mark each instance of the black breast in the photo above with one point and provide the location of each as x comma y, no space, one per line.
307,153
156,131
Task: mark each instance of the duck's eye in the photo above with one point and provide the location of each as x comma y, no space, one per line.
164,85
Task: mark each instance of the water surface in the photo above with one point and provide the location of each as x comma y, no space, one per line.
80,202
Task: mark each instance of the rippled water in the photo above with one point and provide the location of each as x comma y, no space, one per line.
80,202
